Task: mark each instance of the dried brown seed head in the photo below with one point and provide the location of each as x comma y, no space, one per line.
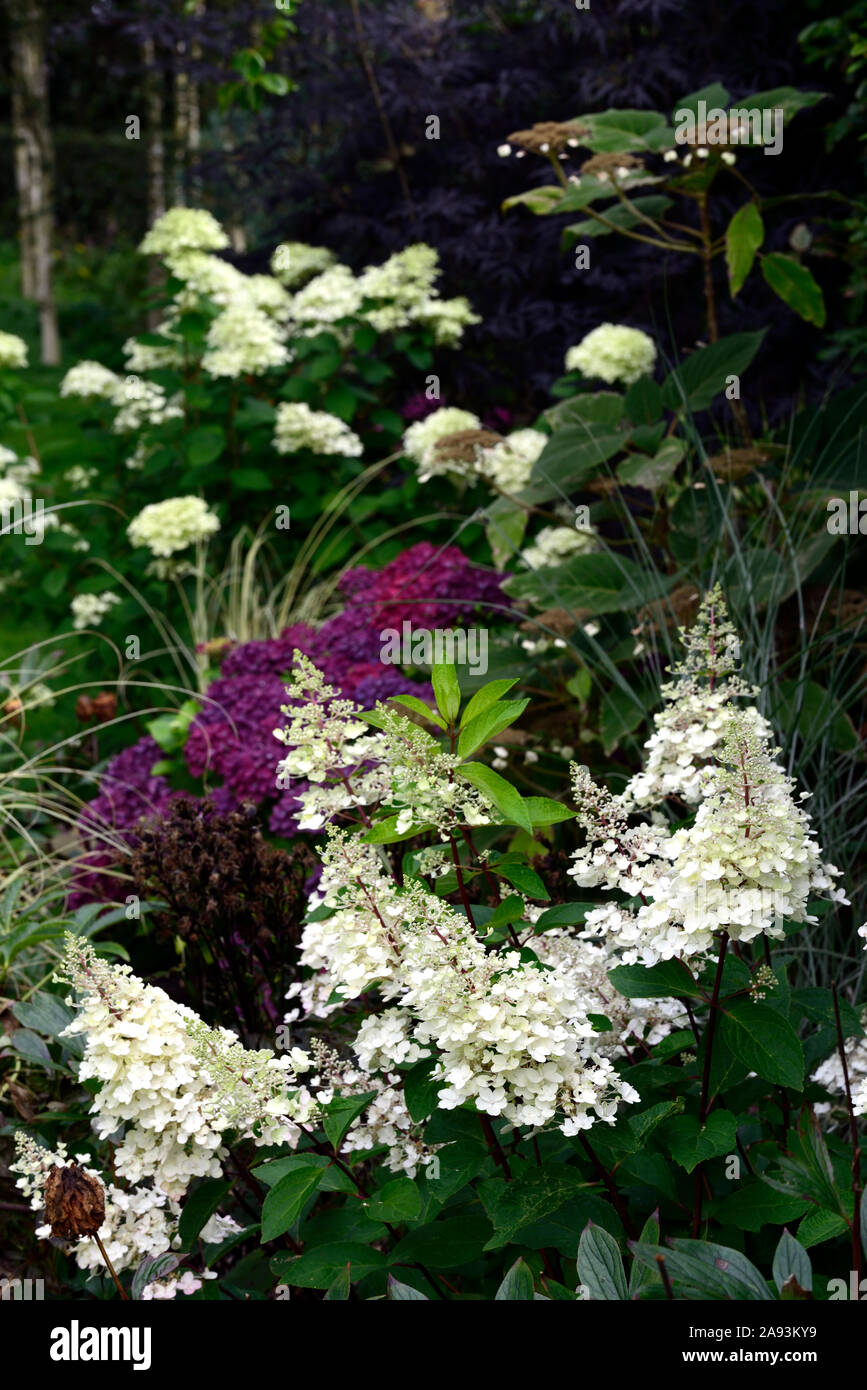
74,1202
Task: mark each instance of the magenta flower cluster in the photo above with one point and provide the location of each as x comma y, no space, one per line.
231,743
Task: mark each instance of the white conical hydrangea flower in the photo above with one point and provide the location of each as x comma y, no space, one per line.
698,702
169,1085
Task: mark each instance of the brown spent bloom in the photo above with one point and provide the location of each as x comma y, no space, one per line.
101,707
463,446
678,609
74,1202
603,165
556,620
13,712
216,647
733,464
549,137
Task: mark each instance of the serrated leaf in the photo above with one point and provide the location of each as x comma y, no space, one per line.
539,200
754,1205
692,1143
340,1113
44,1013
543,810
488,695
525,879
563,915
398,1201
499,792
820,1225
286,1200
765,1042
488,723
412,702
668,979
538,1193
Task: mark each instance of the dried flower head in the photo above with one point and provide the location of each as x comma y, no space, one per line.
602,166
463,446
733,464
74,1202
549,137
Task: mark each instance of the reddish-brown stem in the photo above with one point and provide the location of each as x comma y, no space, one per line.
110,1267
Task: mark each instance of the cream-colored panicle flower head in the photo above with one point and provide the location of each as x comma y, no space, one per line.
242,341
509,464
554,544
88,610
13,351
295,261
184,229
167,527
298,427
421,437
331,296
612,352
90,379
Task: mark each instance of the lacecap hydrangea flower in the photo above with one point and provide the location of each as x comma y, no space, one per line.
298,427
167,527
612,352
13,351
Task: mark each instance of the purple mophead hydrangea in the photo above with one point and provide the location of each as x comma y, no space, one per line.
231,741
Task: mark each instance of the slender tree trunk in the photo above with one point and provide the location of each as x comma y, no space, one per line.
22,183
194,122
34,168
156,164
182,86
187,132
